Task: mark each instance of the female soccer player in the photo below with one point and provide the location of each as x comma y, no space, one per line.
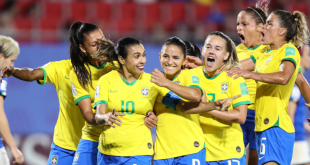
169,147
296,109
276,71
222,131
9,51
84,77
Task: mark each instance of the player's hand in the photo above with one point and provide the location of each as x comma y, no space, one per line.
193,62
159,78
18,156
224,104
239,73
109,118
150,120
307,105
6,72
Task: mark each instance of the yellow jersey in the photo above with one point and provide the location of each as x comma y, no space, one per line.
272,99
135,99
89,132
244,53
70,121
173,124
224,139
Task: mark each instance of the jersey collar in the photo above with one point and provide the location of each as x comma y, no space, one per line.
210,78
100,67
254,47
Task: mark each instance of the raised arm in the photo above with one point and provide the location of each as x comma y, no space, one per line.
25,74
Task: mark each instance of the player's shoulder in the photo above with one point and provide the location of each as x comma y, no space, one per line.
241,47
198,70
288,50
231,79
63,64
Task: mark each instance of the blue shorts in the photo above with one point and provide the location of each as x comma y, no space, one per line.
116,160
194,159
248,130
60,156
238,161
86,153
275,145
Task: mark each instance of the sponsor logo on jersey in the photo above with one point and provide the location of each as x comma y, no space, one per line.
54,160
149,145
145,91
113,91
74,92
195,79
289,51
97,94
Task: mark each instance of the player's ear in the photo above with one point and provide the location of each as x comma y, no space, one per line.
185,60
82,48
121,60
226,55
259,27
1,55
282,31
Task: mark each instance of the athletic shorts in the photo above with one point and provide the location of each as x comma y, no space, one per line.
4,159
248,130
60,156
237,161
193,159
301,153
123,160
274,145
86,153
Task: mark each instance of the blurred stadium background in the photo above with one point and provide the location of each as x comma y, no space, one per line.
41,27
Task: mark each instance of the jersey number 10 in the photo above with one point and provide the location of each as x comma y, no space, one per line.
128,103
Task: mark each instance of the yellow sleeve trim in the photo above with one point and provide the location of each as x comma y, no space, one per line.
100,102
81,98
38,81
290,59
253,58
242,103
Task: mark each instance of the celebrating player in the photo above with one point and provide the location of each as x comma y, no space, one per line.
169,147
276,71
9,50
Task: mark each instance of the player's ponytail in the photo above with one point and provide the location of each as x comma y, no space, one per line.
296,27
232,60
78,58
106,48
260,12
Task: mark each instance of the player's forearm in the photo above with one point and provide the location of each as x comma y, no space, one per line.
271,78
234,116
195,107
87,112
28,74
5,131
303,86
247,64
188,93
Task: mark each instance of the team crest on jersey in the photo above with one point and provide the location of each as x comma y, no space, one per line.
76,158
224,86
269,59
54,160
145,91
177,82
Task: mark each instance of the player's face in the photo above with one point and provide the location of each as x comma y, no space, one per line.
248,31
7,62
91,41
214,53
135,60
171,59
270,30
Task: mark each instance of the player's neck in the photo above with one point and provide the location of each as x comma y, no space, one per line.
123,72
257,43
172,76
277,45
211,73
95,62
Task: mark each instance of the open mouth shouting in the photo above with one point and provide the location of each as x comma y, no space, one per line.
241,36
210,61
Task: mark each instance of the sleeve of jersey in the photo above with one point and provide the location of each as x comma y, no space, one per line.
295,96
238,86
50,73
102,91
3,86
192,80
78,92
255,56
290,54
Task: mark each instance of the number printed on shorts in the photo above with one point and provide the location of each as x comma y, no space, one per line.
195,162
262,148
233,162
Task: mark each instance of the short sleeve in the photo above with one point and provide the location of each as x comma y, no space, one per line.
191,79
50,73
3,86
254,57
295,96
162,92
290,55
78,92
238,86
102,91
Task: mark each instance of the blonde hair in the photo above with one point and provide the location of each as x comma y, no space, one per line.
8,46
232,60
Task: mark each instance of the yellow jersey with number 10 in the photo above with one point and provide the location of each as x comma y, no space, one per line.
224,139
272,99
67,133
178,134
244,53
89,132
135,99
